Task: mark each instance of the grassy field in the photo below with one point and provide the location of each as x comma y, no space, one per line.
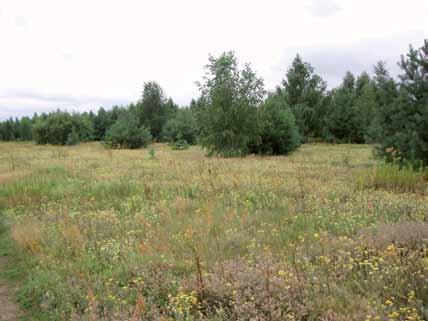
327,233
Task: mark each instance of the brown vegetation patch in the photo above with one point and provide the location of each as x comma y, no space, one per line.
10,176
404,233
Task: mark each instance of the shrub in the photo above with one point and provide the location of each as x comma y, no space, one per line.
181,127
152,154
279,134
54,129
126,133
180,143
62,128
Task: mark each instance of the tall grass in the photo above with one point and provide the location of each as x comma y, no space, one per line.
390,176
123,237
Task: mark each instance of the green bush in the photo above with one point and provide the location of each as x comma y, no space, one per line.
279,134
126,133
62,128
54,129
180,143
181,127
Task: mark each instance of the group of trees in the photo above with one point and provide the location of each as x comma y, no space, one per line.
235,115
16,129
153,118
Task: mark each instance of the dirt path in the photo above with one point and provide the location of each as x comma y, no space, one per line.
9,309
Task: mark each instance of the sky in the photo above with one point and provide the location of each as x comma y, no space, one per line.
82,54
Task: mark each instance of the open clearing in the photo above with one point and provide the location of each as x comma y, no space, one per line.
123,235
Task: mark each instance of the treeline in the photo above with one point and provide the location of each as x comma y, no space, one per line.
234,114
153,118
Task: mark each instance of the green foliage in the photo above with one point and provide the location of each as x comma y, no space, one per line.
101,122
154,109
279,134
15,129
340,122
25,129
73,137
152,154
126,133
364,109
351,117
182,126
231,97
365,114
386,92
54,129
61,128
404,123
304,92
180,143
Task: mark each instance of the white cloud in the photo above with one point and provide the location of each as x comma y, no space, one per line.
107,49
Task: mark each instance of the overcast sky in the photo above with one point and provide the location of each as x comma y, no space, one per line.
83,54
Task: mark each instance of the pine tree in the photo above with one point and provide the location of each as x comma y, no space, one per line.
279,134
304,91
404,134
340,121
154,109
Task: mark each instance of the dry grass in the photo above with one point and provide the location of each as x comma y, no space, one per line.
28,235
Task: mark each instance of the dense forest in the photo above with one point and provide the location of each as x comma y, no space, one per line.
234,114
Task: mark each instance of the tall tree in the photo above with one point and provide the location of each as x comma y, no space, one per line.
386,93
231,97
404,124
153,108
340,122
304,92
385,85
362,81
25,128
101,123
364,113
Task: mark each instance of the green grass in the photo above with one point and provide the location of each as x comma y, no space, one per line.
393,177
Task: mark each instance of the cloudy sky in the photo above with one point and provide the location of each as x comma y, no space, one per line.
82,54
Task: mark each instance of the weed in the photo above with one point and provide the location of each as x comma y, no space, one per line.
152,154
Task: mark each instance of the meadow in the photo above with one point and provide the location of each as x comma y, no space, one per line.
327,233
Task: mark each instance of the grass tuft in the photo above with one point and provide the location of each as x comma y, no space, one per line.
388,176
